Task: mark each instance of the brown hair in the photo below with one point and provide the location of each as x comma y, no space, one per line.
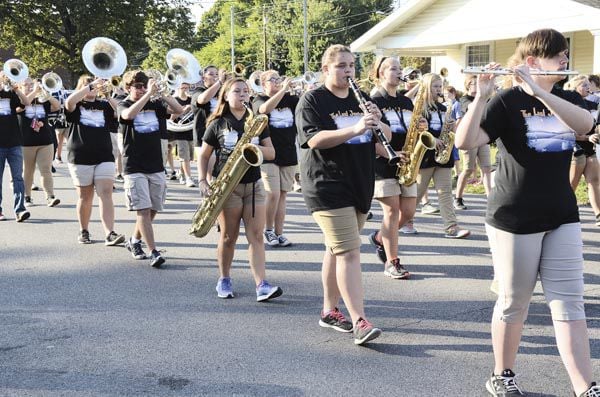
84,79
543,43
222,104
332,51
134,76
594,78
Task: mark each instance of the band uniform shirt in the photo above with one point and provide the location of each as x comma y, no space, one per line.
282,127
201,113
88,141
39,112
223,135
10,133
589,148
341,176
185,135
398,111
58,119
533,193
436,116
141,137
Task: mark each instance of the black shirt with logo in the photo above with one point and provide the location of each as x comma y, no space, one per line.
435,119
88,142
39,112
185,135
201,113
10,133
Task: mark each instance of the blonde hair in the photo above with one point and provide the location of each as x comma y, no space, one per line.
332,51
575,82
429,99
84,79
266,75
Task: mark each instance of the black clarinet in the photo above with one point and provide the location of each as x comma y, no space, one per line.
393,158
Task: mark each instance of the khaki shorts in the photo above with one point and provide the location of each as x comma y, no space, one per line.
471,156
390,188
245,193
341,228
185,150
278,177
143,191
579,160
86,175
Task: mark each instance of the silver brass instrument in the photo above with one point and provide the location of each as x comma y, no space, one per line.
51,83
504,72
393,158
416,144
104,57
239,70
254,82
243,156
184,64
184,123
16,71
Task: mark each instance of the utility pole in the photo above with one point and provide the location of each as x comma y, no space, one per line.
304,7
232,42
264,37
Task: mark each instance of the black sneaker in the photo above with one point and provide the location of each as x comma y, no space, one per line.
136,249
336,320
459,204
369,215
503,385
364,332
379,250
28,201
22,216
156,260
593,391
114,239
52,201
84,237
173,176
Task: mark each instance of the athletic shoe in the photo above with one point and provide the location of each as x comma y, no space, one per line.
28,201
224,288
84,237
379,250
52,201
369,215
364,332
2,217
271,238
283,241
35,187
181,179
119,178
23,216
593,391
114,239
173,176
503,385
156,260
428,209
457,232
409,228
266,291
395,270
190,182
598,220
459,204
136,249
336,320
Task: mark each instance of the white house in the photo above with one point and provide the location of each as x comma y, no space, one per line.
460,33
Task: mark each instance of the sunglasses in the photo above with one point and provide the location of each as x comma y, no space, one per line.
139,86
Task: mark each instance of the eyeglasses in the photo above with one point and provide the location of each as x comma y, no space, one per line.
275,80
139,86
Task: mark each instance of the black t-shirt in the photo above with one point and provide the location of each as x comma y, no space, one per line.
532,193
223,134
181,136
39,112
589,148
10,133
282,127
398,111
141,137
201,113
435,119
341,176
89,141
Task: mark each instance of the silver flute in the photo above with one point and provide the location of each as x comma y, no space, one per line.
504,72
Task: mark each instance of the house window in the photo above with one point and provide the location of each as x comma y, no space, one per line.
478,55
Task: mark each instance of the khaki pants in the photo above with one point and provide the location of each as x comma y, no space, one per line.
42,157
442,182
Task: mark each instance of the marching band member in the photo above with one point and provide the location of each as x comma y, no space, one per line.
90,157
278,174
532,219
11,97
145,183
398,202
247,202
337,166
184,140
38,146
59,122
430,169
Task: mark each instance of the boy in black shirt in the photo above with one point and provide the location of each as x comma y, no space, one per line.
145,184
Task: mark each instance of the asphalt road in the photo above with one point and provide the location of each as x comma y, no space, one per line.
90,320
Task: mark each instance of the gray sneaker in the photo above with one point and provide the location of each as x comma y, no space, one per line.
428,209
283,241
503,385
271,238
113,239
364,332
395,270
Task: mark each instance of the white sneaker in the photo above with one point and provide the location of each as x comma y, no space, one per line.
190,182
271,238
409,228
283,241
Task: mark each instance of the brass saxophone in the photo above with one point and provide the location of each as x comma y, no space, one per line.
243,156
447,137
416,144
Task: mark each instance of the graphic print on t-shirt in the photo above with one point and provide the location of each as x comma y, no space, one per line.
230,138
92,117
213,104
395,123
281,118
146,122
546,133
343,120
35,111
5,109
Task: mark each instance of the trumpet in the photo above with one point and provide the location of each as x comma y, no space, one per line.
505,72
51,83
239,70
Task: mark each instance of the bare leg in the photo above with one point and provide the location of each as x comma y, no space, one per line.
280,214
505,342
84,205
104,190
331,292
229,220
349,280
143,226
254,226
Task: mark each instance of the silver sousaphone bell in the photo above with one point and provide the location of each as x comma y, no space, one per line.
104,57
